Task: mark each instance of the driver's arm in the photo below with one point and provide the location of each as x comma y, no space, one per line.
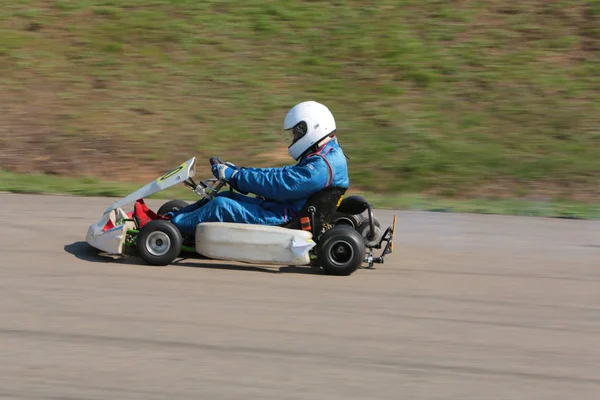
286,183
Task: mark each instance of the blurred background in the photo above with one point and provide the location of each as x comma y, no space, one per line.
455,99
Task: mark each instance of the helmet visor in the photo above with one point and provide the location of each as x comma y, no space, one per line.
287,137
291,136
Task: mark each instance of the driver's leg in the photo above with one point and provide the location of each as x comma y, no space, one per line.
241,198
225,209
190,207
194,206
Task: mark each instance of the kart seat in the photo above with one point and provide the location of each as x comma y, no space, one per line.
325,203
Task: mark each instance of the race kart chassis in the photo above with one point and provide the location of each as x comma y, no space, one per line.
330,231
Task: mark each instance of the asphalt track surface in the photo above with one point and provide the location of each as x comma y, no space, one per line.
467,307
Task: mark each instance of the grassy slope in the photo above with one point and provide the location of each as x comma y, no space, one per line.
39,183
462,98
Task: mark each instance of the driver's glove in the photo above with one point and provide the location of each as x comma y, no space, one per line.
223,171
231,165
216,160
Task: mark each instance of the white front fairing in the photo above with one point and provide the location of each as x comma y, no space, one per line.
112,240
173,177
261,244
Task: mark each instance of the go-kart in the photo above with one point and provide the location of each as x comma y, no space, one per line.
330,232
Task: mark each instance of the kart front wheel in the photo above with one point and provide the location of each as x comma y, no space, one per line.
159,242
172,205
341,250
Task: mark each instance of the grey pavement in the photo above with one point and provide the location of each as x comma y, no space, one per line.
467,307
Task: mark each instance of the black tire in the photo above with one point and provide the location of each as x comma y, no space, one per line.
340,218
159,242
364,228
171,206
341,250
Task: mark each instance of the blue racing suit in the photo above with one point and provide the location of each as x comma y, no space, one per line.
282,191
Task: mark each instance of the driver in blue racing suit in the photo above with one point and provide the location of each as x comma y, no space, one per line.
281,192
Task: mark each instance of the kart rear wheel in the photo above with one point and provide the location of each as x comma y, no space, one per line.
159,242
341,250
340,218
365,230
171,205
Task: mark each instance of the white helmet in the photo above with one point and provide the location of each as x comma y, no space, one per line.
310,122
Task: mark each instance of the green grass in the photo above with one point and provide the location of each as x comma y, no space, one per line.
44,184
454,100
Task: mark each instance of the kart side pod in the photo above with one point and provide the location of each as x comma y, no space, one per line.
254,243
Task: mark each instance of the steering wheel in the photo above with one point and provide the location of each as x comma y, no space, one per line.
208,188
217,160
